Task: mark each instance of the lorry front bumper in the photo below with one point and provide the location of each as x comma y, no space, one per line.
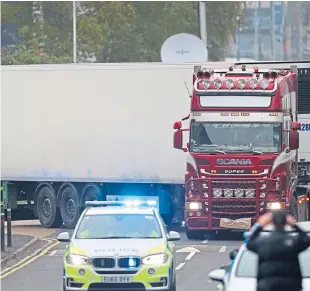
147,277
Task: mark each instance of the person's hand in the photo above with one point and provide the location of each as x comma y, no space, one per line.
290,220
265,219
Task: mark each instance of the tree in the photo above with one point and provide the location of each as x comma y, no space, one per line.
112,31
156,21
50,38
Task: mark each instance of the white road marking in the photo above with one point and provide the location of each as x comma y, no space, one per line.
53,253
223,249
180,266
188,250
205,241
190,255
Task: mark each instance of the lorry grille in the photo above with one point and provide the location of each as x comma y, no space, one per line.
233,210
104,263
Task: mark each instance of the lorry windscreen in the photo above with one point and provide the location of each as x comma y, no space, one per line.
208,137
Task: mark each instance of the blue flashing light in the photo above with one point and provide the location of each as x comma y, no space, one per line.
131,263
139,203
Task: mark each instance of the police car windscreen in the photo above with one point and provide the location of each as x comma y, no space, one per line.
108,226
235,137
247,266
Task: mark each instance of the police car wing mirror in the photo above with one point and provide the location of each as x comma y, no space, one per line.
173,236
217,275
63,237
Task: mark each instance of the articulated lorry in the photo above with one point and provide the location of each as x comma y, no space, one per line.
73,133
242,154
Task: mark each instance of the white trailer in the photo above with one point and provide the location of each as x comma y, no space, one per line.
72,133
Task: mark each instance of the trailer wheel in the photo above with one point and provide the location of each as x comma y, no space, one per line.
69,206
46,208
90,192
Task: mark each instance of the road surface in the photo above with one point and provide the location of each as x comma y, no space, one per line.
194,260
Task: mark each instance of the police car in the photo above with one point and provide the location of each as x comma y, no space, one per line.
119,246
243,274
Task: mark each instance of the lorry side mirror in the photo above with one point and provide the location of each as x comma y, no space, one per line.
177,125
178,139
294,140
296,126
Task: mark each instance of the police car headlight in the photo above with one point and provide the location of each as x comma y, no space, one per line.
158,259
74,259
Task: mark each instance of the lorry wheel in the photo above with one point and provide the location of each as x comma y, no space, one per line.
195,234
168,218
46,209
69,206
90,193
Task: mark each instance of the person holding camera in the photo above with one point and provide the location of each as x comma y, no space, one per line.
278,261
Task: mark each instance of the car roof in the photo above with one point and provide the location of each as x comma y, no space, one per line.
119,210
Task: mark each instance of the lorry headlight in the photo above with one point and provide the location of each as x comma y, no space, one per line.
217,193
194,205
74,259
158,259
250,193
228,193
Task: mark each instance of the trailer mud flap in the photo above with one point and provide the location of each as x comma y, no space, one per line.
241,223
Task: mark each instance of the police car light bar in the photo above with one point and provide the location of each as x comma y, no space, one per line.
128,203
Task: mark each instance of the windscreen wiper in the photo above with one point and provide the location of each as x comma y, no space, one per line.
219,151
256,152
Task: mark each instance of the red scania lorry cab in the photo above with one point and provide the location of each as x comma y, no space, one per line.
242,148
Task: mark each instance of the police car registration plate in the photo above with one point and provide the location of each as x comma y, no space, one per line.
116,279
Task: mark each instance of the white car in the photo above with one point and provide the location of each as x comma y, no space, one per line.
244,271
119,246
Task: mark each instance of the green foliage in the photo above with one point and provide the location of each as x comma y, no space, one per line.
114,31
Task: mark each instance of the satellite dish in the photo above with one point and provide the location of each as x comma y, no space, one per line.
183,48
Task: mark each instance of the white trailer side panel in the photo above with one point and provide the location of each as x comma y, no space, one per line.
102,122
304,137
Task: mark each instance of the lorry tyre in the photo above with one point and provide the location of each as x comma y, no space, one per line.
69,206
195,234
46,208
293,208
167,218
91,192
